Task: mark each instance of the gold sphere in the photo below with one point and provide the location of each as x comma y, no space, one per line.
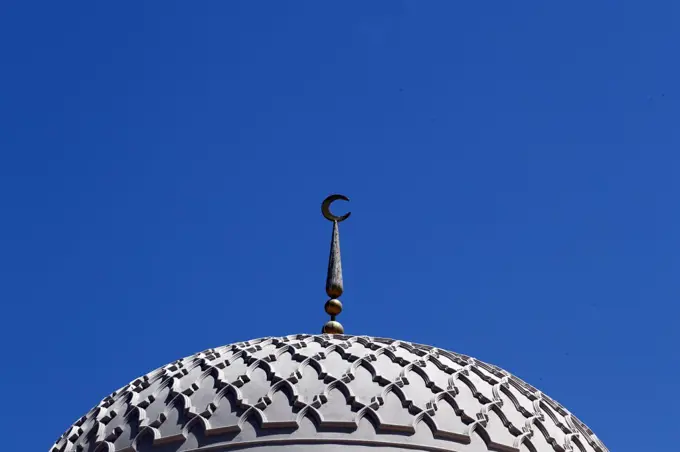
333,306
333,327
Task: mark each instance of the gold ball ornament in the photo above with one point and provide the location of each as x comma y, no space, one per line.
333,306
333,327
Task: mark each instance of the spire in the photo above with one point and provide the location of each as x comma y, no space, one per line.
334,285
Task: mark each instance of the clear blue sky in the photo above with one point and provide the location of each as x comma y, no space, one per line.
513,169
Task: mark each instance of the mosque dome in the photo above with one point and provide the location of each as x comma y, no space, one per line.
330,392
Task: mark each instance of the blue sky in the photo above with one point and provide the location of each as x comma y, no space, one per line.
512,168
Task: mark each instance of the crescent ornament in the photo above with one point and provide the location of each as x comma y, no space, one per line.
326,208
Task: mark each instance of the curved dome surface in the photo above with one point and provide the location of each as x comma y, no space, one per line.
328,393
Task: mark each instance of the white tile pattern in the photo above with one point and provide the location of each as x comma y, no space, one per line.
307,392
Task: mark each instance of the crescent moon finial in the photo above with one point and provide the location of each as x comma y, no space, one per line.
326,208
334,285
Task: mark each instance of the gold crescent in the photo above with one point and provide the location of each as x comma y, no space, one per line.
326,208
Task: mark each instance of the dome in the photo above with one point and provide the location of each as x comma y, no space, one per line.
326,393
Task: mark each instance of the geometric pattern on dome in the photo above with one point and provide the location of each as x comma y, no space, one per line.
328,392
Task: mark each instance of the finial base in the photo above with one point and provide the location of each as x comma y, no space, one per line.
332,327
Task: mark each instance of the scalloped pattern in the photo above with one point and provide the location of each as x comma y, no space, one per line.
322,392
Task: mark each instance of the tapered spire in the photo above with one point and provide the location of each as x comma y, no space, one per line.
334,278
334,286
